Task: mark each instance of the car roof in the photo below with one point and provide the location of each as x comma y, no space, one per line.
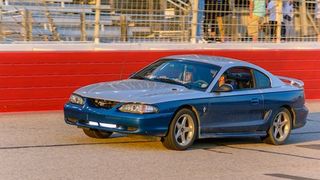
215,60
226,63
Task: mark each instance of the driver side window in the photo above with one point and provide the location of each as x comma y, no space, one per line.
240,78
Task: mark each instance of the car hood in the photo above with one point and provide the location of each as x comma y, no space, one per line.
143,91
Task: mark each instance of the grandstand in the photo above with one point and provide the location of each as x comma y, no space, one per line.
121,21
113,21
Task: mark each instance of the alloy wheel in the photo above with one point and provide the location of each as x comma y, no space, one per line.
184,130
281,126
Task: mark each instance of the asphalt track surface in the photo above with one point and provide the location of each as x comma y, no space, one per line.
40,145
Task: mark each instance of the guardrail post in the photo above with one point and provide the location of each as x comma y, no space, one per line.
151,14
97,22
124,28
83,36
194,24
30,25
278,19
83,27
24,25
1,30
303,18
183,25
234,21
27,25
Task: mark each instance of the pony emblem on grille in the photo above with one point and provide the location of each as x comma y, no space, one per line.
104,103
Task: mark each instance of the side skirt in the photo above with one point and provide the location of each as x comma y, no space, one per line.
235,134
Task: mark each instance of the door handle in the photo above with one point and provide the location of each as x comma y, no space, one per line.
255,101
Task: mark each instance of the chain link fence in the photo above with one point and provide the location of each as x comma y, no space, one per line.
196,21
261,20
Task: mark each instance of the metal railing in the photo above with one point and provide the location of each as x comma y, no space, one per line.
261,20
202,21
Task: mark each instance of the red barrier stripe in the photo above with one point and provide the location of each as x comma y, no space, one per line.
54,81
32,105
58,69
36,93
32,81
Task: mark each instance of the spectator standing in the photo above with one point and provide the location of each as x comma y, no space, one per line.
288,15
221,9
272,12
215,10
257,10
317,16
209,25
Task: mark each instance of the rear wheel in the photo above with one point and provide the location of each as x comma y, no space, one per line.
97,133
280,128
182,131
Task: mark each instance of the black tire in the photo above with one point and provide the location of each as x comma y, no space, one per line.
96,133
170,142
272,136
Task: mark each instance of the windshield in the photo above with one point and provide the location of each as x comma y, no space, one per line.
193,75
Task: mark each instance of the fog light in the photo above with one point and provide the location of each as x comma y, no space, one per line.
92,123
108,125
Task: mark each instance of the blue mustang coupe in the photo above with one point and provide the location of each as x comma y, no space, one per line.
183,98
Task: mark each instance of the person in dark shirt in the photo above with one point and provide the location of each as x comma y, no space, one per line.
215,10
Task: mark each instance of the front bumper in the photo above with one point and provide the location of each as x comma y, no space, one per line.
113,120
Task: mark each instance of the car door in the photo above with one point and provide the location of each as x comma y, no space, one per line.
240,110
263,83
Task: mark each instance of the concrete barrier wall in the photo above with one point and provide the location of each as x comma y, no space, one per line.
32,81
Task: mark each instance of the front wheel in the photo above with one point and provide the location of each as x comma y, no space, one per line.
182,131
96,133
280,128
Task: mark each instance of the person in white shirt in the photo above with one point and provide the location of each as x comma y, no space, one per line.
288,15
272,12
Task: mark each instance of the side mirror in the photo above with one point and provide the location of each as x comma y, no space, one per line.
224,88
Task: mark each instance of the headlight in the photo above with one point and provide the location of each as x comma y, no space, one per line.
138,108
76,99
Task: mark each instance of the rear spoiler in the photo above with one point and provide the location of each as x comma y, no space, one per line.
291,81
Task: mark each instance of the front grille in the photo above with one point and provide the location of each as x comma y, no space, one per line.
103,103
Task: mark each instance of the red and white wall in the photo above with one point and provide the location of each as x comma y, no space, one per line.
33,81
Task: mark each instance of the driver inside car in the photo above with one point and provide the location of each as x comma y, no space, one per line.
222,80
187,77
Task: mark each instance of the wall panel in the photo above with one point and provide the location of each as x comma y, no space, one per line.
31,81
